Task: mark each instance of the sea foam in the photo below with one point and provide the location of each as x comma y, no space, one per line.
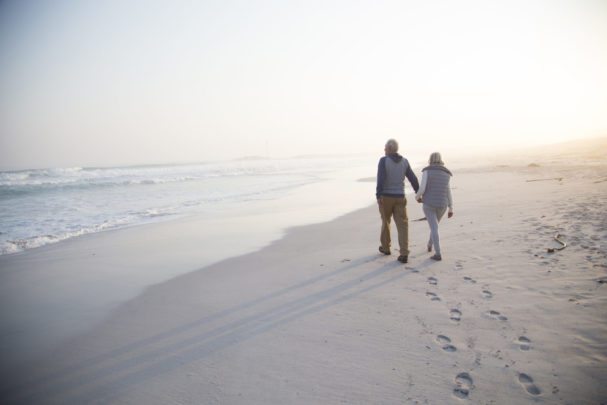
43,206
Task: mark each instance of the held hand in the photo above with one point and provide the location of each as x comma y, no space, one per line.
419,199
449,215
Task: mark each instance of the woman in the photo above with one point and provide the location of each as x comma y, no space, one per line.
435,193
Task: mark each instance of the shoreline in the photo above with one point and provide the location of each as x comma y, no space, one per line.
319,316
92,202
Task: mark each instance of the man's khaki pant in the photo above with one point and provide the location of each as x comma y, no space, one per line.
396,207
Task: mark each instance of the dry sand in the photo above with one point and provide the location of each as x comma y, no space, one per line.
320,317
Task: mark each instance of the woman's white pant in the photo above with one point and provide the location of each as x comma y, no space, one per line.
434,215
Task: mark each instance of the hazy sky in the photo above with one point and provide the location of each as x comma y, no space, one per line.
89,82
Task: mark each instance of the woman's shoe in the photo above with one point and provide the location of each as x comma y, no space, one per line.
430,248
436,257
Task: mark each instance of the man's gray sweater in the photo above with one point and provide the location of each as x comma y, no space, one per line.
391,173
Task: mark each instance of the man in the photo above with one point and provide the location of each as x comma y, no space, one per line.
391,173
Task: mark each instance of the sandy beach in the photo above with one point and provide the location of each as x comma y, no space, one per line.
320,317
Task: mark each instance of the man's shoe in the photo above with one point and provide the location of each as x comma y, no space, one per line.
384,251
436,257
403,258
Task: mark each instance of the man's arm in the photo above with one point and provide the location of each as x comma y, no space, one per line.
412,178
381,176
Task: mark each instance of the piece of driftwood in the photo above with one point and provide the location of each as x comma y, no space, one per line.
554,178
420,219
563,244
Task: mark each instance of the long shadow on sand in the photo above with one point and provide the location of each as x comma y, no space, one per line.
111,373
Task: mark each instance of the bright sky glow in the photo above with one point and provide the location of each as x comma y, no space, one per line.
115,82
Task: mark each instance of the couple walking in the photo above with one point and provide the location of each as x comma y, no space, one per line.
434,193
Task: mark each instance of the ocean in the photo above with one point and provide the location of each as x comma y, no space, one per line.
43,206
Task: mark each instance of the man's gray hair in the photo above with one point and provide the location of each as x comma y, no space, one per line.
392,145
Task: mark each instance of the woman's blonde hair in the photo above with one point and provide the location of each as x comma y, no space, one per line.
436,158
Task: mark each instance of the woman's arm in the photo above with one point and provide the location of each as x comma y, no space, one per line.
450,198
422,187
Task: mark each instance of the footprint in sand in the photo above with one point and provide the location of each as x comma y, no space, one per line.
455,315
487,294
445,342
497,315
527,382
458,266
524,343
463,385
469,280
432,280
432,296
